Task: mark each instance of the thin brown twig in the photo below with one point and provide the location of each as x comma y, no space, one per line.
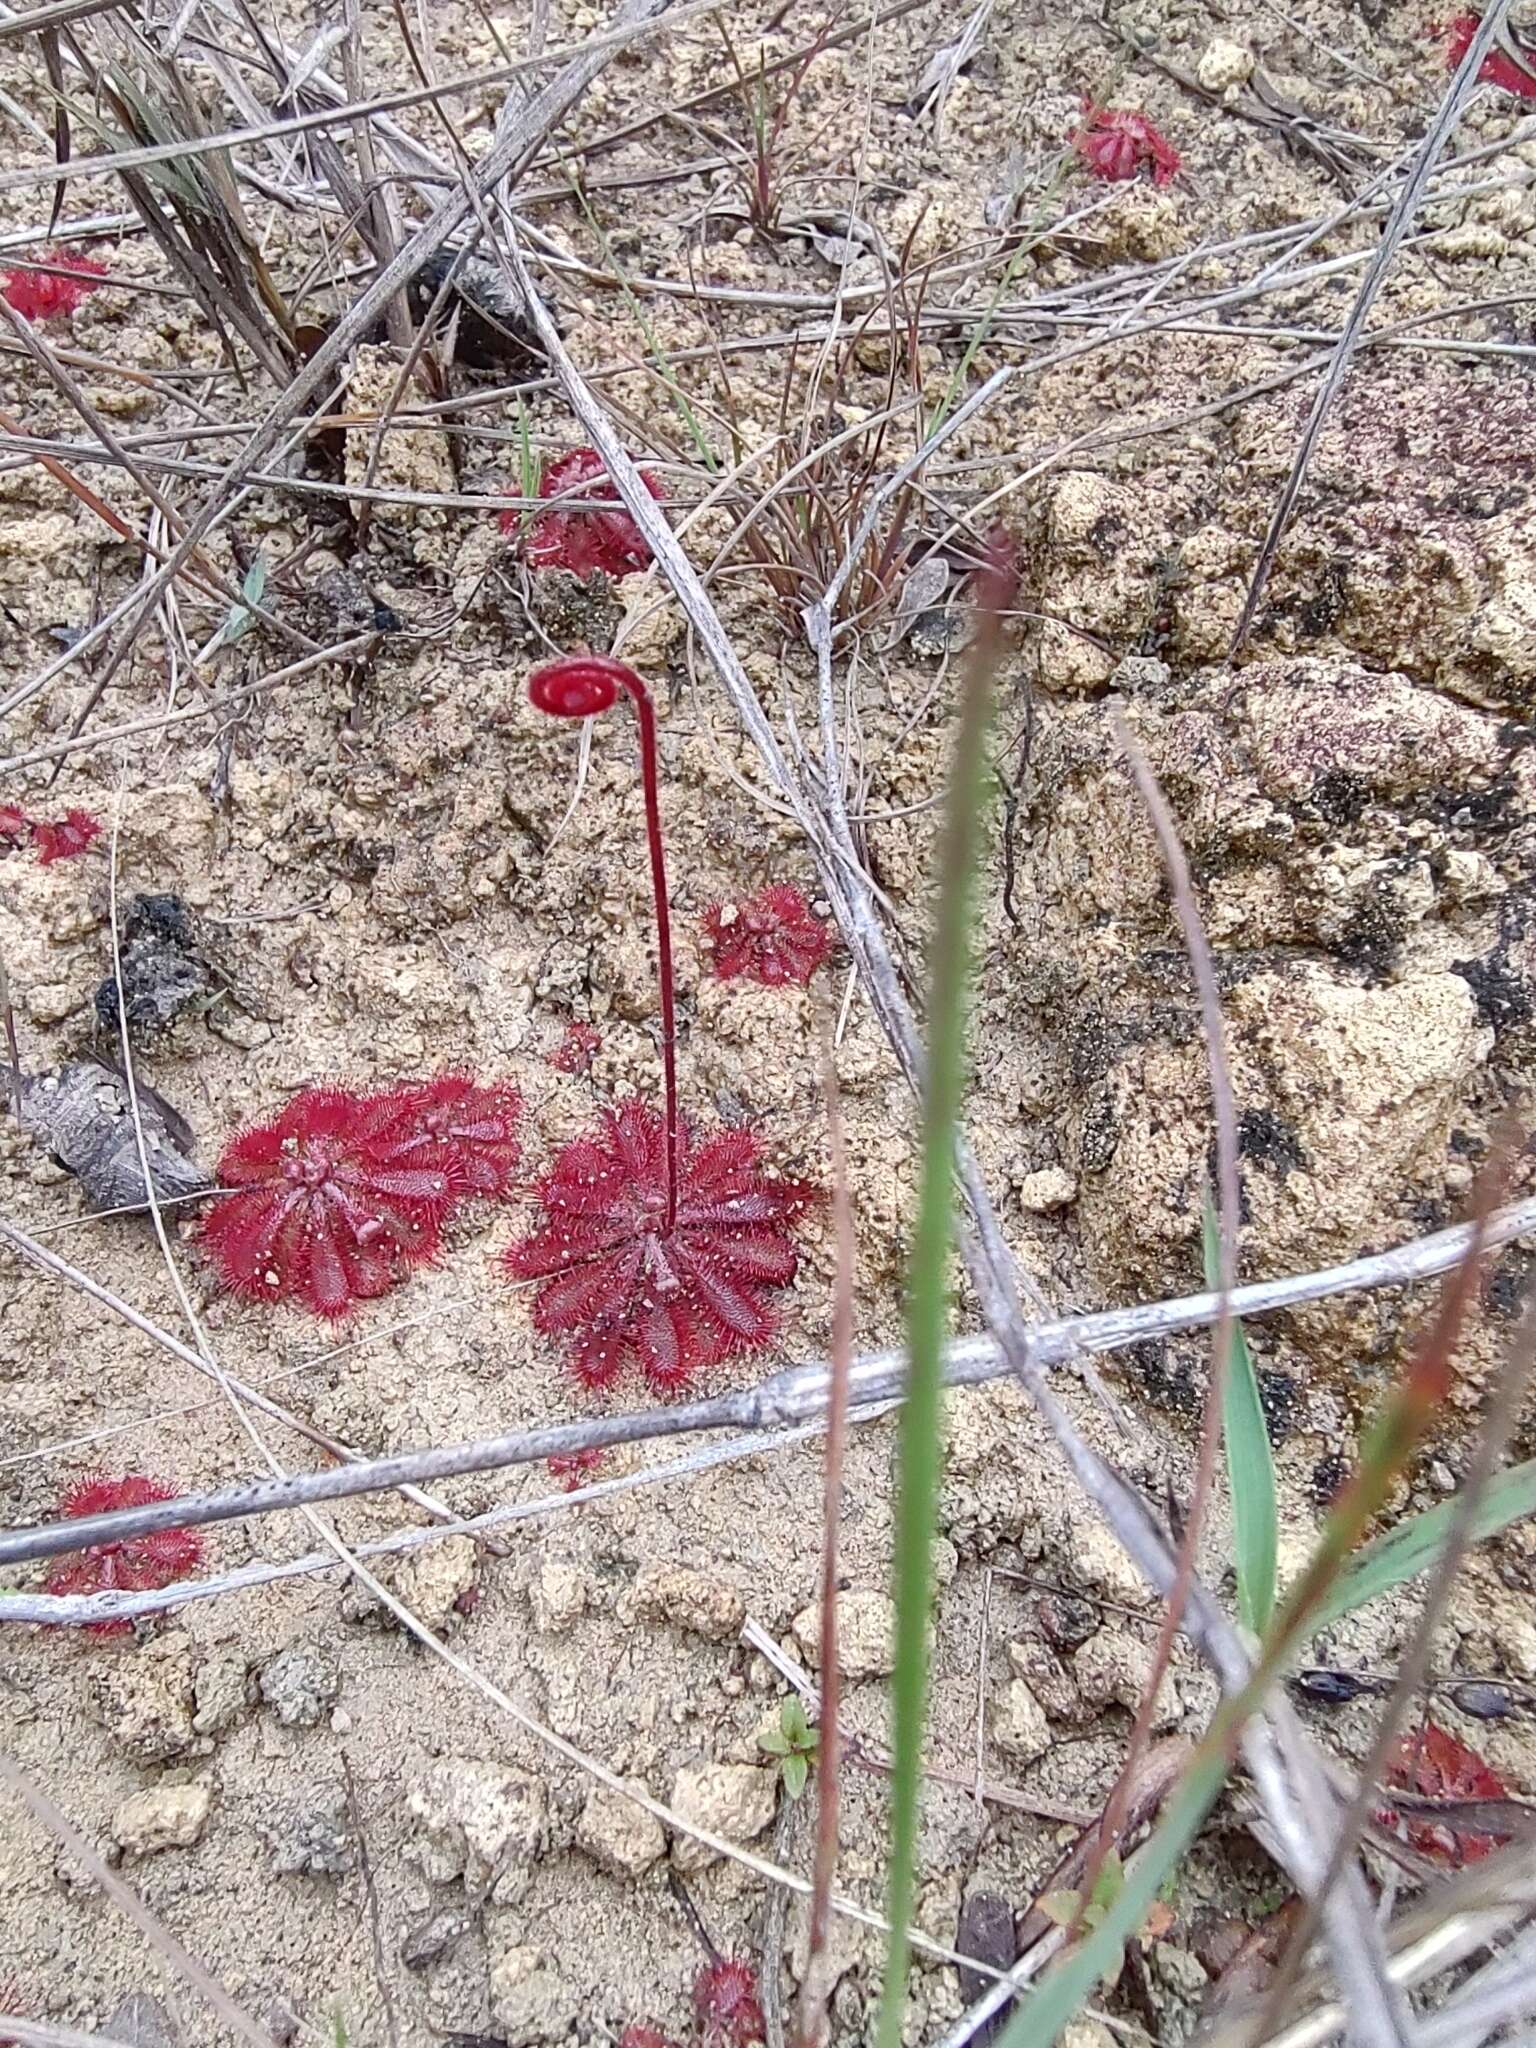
815,1988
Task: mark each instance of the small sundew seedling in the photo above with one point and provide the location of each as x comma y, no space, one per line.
794,1742
725,2000
772,938
585,529
137,1564
1117,143
55,292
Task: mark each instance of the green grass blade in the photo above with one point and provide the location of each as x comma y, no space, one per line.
1250,1468
1412,1547
928,1292
1067,1986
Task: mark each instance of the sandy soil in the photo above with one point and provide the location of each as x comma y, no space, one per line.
398,868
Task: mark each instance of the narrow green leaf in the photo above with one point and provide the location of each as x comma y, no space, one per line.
1250,1467
1042,2013
1412,1547
928,1286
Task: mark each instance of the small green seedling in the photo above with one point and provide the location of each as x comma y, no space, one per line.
794,1742
1067,1910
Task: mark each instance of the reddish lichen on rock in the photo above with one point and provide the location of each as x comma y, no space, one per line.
135,1564
628,1288
588,530
772,938
1118,143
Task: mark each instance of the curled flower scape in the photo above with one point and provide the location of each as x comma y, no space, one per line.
339,1196
1501,67
46,295
628,1287
65,837
1117,143
772,938
588,530
137,1564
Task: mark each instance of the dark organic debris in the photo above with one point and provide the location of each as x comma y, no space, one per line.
164,972
1331,1688
84,1116
1484,1699
494,331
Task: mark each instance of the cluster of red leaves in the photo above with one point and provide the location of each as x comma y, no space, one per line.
1117,143
589,530
577,1049
53,294
342,1193
138,1564
1500,67
56,839
725,2004
771,937
625,1286
577,1468
1433,1763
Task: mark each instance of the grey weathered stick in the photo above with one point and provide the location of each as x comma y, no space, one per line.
787,1400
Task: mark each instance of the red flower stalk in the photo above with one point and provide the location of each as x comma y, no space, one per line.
66,837
136,1564
1431,1762
589,529
577,1468
725,1999
577,1050
771,937
54,293
668,1275
579,686
1116,143
1502,66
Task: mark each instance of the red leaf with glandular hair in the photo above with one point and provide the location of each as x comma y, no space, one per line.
1117,142
632,2037
627,1288
66,837
577,1049
1500,67
589,530
15,825
725,1999
1433,1763
577,1467
322,1214
40,295
136,1564
457,1126
771,937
